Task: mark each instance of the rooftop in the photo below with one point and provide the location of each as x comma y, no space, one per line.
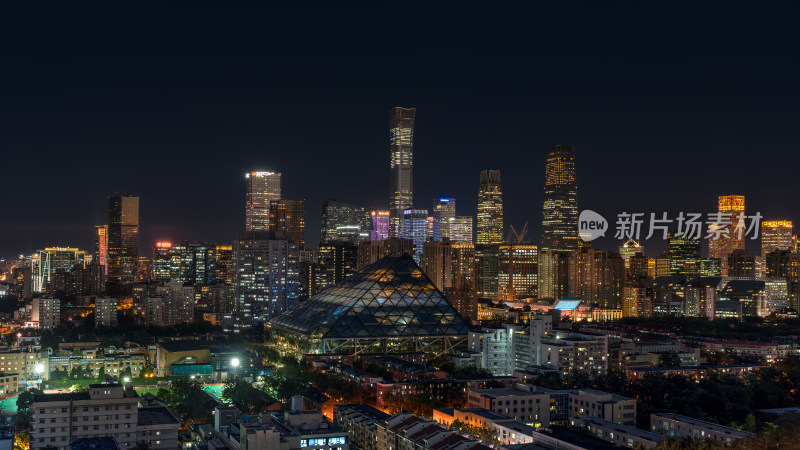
702,423
158,415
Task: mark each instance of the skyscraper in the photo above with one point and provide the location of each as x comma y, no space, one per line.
401,146
343,222
461,229
682,252
628,249
560,211
267,276
262,187
162,261
289,217
444,209
123,239
101,246
775,235
415,228
721,248
518,269
380,225
490,208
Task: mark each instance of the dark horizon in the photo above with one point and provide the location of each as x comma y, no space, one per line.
666,109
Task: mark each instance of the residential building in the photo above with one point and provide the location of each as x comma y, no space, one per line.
676,425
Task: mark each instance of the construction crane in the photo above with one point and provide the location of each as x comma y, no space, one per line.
517,237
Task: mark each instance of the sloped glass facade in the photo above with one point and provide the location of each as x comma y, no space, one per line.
390,300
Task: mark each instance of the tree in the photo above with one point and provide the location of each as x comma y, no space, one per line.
24,401
142,445
669,359
393,404
22,440
245,397
187,398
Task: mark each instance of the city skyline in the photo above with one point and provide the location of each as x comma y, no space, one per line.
651,113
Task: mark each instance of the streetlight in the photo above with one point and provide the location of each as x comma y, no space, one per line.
234,364
126,379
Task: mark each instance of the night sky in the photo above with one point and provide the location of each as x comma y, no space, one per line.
667,105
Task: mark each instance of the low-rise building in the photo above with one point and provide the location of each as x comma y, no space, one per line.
524,406
409,432
361,422
624,435
676,425
105,410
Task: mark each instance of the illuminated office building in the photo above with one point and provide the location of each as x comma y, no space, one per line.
123,239
553,274
415,228
143,268
785,264
597,277
289,217
343,222
486,270
380,225
628,249
733,205
490,208
101,246
267,276
401,146
637,300
45,263
262,188
336,261
194,263
681,251
372,251
742,263
225,269
437,263
775,235
461,229
462,293
560,210
162,261
517,269
637,268
444,210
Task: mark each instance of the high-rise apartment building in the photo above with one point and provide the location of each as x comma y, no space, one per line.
517,268
267,276
733,207
401,147
123,239
560,211
415,228
462,293
380,225
742,263
444,210
105,312
46,312
289,217
262,188
173,305
372,251
343,222
490,208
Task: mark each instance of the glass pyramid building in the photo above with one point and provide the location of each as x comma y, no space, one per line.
390,305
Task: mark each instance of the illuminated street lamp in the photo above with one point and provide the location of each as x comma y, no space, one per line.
235,365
